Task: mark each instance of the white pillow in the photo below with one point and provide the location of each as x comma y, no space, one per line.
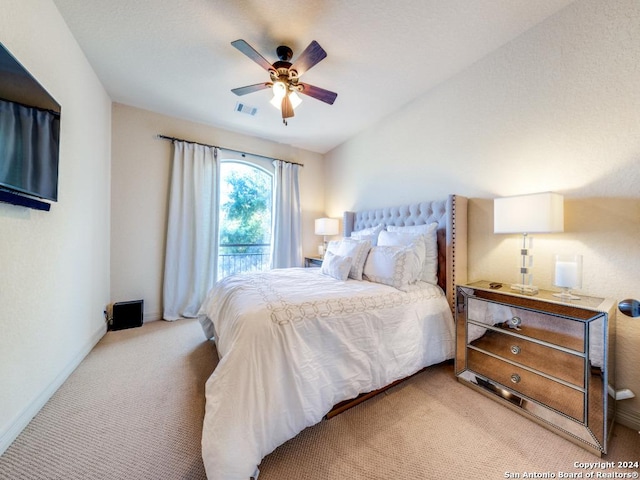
394,266
370,234
336,266
333,245
400,239
356,249
430,233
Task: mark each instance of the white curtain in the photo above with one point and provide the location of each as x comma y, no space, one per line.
192,232
286,247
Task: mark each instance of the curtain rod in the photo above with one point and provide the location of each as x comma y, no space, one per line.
174,139
41,109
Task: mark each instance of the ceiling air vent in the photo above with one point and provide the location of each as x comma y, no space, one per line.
244,108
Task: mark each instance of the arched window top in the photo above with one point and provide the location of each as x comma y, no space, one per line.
264,163
265,166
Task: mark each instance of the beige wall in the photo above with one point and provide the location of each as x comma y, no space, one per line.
139,190
557,109
54,266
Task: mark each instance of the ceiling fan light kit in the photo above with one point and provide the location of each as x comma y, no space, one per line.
277,101
285,77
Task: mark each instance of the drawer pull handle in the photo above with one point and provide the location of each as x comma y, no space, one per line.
515,349
515,378
515,322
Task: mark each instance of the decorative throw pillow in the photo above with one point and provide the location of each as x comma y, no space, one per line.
333,245
394,266
356,249
370,234
400,239
430,266
336,266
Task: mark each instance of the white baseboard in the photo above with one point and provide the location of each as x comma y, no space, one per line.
152,317
628,418
23,418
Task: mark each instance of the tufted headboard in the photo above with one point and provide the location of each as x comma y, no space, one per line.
451,215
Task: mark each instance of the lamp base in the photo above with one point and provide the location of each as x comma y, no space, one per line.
566,295
524,289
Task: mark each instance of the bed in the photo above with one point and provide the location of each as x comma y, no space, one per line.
293,343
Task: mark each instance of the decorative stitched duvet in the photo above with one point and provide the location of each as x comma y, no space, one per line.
292,343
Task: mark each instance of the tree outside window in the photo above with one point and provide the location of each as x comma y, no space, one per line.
245,218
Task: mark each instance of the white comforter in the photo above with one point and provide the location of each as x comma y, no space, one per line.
293,342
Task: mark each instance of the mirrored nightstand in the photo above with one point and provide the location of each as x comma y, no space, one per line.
548,359
312,262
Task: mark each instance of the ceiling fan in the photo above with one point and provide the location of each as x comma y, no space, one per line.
285,76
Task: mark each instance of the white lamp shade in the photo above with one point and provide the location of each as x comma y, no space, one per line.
295,99
535,213
327,226
277,101
279,89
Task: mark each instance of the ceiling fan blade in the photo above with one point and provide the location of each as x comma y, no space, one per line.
251,52
250,88
318,93
307,59
287,108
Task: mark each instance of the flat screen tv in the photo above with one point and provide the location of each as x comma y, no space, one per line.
29,136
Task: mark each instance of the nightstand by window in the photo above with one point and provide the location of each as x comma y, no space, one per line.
312,262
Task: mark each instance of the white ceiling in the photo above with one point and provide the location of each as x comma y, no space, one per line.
174,56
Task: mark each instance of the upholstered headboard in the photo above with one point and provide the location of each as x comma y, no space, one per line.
451,215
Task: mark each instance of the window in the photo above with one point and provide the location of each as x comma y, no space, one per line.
246,193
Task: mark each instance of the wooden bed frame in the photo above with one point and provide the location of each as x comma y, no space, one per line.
451,215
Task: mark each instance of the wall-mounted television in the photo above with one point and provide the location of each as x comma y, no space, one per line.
29,137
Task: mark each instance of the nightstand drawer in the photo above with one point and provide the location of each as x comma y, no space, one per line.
556,363
553,394
537,325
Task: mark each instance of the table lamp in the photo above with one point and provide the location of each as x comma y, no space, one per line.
326,227
526,214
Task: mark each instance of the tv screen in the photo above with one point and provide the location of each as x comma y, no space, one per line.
29,133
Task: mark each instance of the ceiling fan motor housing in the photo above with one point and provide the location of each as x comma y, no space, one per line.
284,53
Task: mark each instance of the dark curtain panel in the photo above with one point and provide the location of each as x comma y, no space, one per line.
29,141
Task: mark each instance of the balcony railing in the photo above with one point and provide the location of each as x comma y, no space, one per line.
243,257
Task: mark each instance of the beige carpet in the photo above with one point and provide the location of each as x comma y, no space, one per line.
133,410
